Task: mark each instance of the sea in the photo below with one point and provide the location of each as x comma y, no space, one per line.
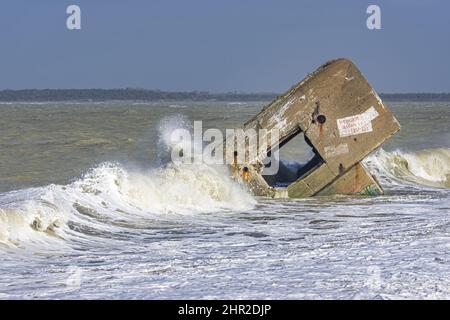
91,208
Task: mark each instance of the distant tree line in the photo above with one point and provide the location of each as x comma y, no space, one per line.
415,96
44,95
126,94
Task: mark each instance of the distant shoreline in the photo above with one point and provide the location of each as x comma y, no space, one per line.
53,95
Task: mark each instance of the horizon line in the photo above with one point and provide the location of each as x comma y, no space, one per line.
200,91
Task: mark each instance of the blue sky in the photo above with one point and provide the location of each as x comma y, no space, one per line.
212,45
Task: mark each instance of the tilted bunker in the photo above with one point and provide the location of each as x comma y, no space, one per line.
342,119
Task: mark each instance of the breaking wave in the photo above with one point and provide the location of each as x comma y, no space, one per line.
110,196
430,167
112,199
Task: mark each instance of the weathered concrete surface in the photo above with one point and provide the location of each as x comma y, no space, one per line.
344,120
355,181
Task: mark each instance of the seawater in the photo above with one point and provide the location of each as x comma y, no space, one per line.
91,208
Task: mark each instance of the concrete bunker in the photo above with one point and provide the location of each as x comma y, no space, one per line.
341,118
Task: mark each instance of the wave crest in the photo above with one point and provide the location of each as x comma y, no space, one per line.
111,196
429,167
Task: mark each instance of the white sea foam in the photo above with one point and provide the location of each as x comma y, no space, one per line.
112,192
190,231
430,167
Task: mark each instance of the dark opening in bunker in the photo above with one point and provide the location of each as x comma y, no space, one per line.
297,158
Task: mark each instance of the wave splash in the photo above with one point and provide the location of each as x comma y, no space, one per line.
112,195
429,167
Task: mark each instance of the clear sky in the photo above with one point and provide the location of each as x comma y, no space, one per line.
218,45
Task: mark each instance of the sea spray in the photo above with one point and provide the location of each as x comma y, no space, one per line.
110,192
429,167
